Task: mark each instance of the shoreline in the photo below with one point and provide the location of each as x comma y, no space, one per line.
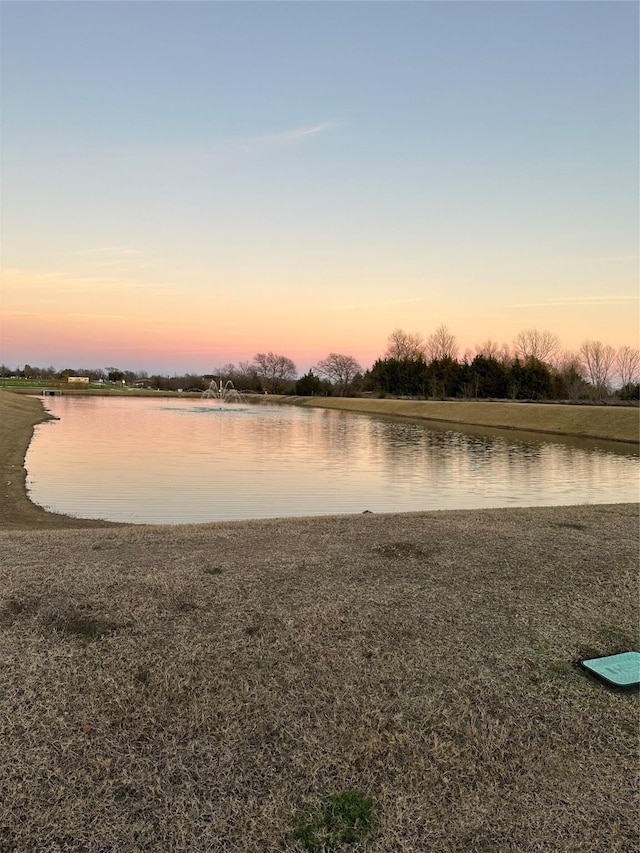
607,423
20,413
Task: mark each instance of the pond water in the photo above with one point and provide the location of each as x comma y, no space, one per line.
164,461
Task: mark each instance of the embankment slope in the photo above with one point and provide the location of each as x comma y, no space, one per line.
612,423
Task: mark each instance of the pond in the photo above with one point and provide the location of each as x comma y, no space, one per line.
166,461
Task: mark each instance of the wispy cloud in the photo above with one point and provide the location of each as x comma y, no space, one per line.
20,282
106,250
282,138
578,300
603,258
66,315
87,315
374,304
218,149
110,258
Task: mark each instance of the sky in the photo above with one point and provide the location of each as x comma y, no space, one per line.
186,184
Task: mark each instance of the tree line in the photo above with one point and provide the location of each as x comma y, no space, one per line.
533,367
267,373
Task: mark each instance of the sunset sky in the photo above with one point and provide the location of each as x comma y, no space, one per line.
186,184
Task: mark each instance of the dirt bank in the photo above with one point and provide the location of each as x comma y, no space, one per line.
18,416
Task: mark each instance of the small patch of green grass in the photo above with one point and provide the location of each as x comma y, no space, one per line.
342,819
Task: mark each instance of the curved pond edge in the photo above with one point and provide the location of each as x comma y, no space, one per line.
20,413
608,423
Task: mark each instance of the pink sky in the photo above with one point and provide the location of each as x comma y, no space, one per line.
68,319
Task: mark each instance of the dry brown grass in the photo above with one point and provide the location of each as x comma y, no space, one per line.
192,688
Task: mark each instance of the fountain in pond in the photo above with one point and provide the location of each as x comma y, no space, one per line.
224,392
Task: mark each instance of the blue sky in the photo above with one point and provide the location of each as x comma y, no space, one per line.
188,183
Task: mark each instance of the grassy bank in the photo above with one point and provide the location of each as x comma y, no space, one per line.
232,686
613,423
195,688
83,391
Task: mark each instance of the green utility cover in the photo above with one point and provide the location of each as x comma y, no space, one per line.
621,670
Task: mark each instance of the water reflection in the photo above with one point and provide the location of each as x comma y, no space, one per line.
165,461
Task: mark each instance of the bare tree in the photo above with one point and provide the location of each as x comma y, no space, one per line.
441,344
246,369
628,365
491,349
570,369
488,349
339,369
505,356
404,345
225,371
273,368
532,343
598,360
